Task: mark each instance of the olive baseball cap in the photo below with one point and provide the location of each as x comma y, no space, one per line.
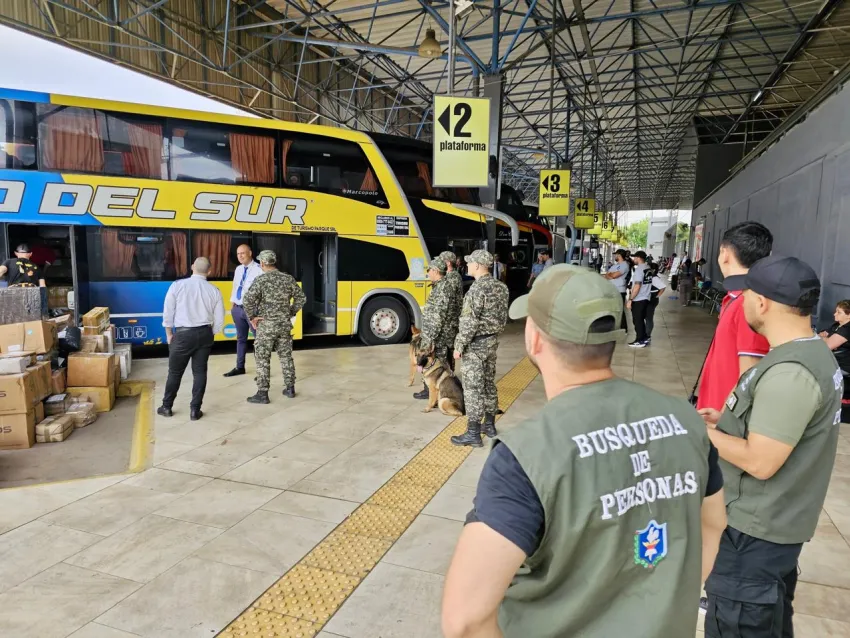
479,257
565,301
438,264
267,257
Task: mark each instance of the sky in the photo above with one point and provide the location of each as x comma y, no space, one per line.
53,68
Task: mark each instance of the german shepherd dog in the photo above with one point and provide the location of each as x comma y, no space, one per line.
441,381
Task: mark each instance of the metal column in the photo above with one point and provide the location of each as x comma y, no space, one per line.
493,89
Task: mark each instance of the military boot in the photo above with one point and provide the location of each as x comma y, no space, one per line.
471,437
262,396
289,391
489,426
422,394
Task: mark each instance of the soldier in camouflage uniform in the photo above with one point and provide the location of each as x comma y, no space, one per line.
455,282
271,303
482,320
437,328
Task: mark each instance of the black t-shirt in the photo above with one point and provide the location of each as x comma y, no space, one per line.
21,271
842,352
507,502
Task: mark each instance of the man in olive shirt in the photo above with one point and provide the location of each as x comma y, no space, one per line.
601,515
777,437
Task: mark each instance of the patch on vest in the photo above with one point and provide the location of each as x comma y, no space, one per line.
651,544
732,401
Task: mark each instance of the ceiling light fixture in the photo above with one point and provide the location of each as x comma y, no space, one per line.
430,48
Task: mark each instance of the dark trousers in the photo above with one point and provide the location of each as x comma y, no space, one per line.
639,311
188,344
650,316
240,320
674,282
751,588
623,324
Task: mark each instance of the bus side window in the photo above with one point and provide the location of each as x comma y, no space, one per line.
70,139
220,248
365,261
328,165
222,155
18,133
137,254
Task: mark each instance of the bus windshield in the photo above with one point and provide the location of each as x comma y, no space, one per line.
412,166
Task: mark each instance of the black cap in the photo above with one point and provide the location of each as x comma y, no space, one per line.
784,280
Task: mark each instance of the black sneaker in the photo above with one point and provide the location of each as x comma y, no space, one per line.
703,605
235,372
648,341
637,344
163,411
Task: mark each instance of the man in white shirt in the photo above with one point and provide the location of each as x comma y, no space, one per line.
639,297
193,314
246,272
618,274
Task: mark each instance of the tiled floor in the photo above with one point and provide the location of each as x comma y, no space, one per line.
236,499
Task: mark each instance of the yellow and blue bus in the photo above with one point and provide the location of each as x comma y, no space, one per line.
119,199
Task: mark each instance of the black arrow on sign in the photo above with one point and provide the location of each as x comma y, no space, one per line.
445,120
546,183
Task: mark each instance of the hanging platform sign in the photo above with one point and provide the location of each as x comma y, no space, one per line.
461,141
585,213
596,229
607,227
554,197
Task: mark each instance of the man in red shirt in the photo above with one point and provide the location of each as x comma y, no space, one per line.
736,347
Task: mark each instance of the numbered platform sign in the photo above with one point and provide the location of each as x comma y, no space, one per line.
585,213
554,193
461,141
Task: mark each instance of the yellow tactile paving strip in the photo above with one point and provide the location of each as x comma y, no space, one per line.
305,598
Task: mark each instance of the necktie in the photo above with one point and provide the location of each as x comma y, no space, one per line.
241,283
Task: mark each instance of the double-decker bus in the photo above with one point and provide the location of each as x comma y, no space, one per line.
123,197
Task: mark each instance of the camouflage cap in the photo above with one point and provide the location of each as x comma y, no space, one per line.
448,256
438,264
565,301
267,257
480,257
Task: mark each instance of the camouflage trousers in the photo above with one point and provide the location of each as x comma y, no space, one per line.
273,335
478,375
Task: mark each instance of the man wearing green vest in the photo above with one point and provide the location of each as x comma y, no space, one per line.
777,437
600,516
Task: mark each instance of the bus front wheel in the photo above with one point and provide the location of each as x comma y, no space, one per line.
383,320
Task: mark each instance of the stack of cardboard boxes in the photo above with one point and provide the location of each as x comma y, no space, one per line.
38,404
25,380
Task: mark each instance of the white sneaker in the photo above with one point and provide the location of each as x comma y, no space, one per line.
637,344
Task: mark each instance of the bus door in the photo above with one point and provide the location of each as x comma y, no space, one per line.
312,259
60,252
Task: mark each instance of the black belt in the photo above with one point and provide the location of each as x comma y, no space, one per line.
204,327
23,285
478,338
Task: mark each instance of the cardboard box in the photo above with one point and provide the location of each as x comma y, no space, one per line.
54,429
18,393
39,336
57,404
98,318
83,414
17,431
29,355
39,412
125,352
103,398
43,378
57,381
13,365
90,369
94,343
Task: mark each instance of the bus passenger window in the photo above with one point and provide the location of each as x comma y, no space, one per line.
70,139
134,147
365,261
145,255
17,135
331,166
220,249
220,155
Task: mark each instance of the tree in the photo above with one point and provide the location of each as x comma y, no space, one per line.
683,232
637,233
